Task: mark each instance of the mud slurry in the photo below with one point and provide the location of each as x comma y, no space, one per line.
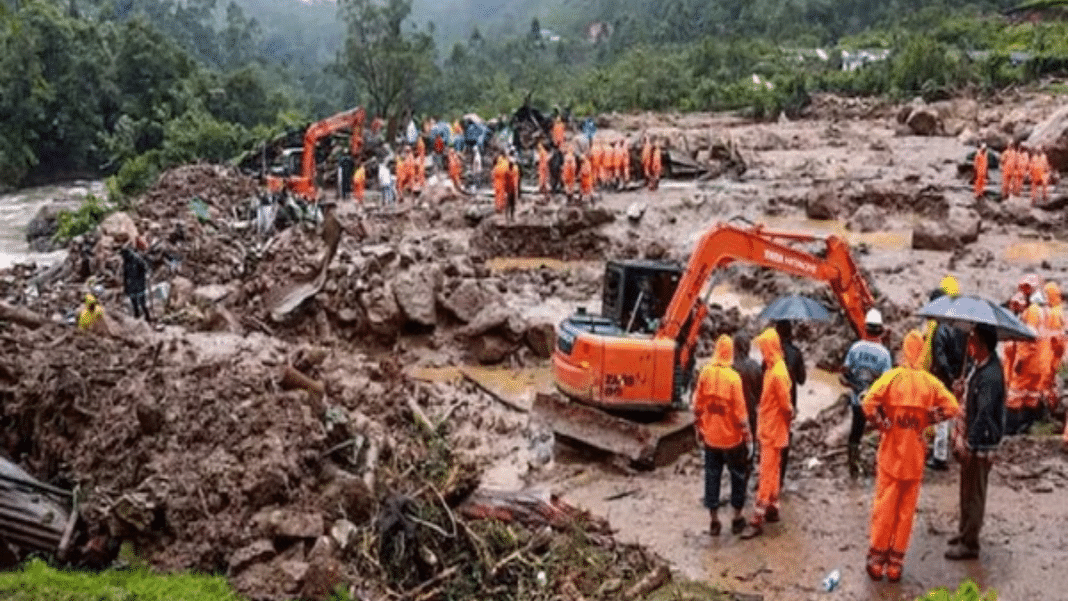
190,440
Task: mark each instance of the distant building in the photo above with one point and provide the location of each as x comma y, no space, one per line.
598,30
853,60
549,35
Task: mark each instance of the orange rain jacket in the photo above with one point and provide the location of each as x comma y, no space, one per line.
980,171
359,183
1028,363
775,410
655,162
455,168
543,169
586,178
1008,170
647,160
567,174
719,402
500,183
558,132
901,403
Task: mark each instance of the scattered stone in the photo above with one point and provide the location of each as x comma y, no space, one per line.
867,218
924,121
120,227
259,551
416,291
287,523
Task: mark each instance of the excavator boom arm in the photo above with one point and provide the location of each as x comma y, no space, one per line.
725,243
350,119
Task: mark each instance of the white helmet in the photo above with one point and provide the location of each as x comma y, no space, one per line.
873,318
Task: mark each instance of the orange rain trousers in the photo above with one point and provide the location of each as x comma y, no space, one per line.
586,179
892,512
455,170
1039,167
568,173
768,486
656,166
543,170
500,185
980,172
1008,171
359,184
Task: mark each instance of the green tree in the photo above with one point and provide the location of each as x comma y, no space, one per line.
382,57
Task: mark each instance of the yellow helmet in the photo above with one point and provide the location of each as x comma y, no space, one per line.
950,286
90,299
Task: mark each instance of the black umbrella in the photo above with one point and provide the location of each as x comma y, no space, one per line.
794,307
965,312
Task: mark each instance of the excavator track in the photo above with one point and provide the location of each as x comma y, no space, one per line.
646,445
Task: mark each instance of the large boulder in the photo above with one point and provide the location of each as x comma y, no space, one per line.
960,227
1052,135
824,202
120,227
924,121
867,218
466,300
43,226
384,315
416,289
491,348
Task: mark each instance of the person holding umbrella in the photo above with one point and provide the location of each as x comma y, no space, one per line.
977,437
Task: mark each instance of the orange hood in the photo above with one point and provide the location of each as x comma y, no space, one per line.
724,351
912,349
1053,293
769,345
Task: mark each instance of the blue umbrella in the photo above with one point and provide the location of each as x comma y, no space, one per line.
965,312
794,307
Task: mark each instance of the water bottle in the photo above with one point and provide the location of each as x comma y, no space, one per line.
832,580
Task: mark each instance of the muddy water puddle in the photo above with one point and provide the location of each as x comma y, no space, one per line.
884,240
1035,251
500,264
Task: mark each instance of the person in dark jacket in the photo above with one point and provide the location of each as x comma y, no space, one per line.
135,280
795,365
947,352
977,436
752,377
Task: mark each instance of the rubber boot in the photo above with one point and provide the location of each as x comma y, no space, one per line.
854,461
876,564
895,563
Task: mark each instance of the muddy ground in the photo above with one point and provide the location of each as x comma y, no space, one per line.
203,443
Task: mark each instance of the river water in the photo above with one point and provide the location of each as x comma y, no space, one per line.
18,208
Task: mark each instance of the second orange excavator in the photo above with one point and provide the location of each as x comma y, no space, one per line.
296,173
625,376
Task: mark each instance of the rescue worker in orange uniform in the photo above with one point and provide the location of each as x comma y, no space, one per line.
722,423
1055,331
585,179
512,189
1008,166
455,169
543,170
419,165
596,160
359,183
1027,363
1023,162
604,172
980,164
773,428
558,132
569,171
901,403
657,167
404,174
1039,168
647,157
500,183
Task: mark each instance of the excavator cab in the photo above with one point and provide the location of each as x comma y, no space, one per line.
637,292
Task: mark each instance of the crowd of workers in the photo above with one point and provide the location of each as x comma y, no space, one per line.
574,167
1017,164
974,388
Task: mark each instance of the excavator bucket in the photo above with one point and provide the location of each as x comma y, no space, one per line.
646,445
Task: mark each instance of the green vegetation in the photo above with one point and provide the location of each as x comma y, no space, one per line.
127,88
36,581
967,591
75,223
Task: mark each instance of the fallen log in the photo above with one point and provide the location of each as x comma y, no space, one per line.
22,316
649,583
293,379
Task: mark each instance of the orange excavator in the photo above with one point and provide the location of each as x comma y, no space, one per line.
626,375
296,174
